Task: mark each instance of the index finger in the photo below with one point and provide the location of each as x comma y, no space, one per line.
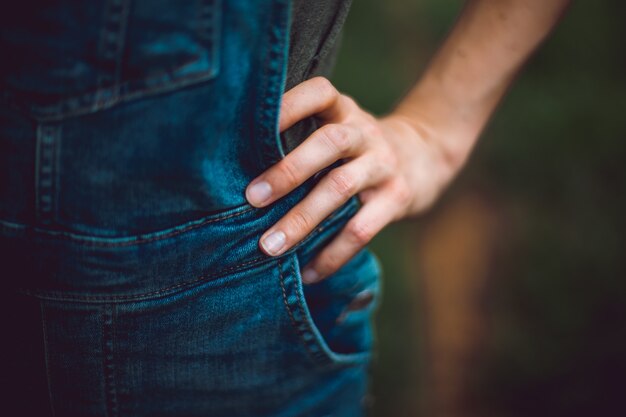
316,96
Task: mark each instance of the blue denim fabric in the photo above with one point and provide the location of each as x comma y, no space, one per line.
128,133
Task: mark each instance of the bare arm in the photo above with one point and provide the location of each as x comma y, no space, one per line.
473,68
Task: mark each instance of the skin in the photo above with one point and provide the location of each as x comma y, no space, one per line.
401,162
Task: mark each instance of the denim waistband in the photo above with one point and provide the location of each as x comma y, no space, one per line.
69,266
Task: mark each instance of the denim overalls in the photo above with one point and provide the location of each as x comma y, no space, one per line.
129,130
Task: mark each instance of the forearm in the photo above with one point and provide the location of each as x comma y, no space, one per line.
472,70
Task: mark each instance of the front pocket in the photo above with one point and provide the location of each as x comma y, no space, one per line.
333,318
80,57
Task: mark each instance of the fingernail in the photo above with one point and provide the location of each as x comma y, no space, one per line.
274,242
259,192
309,275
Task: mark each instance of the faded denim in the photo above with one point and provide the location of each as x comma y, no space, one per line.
128,133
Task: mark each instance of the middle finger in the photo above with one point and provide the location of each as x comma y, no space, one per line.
326,145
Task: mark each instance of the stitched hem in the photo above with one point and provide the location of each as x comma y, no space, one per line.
47,357
60,296
130,240
108,365
290,313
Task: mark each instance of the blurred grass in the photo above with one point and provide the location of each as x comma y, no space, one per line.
553,160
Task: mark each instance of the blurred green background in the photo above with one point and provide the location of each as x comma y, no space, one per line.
508,298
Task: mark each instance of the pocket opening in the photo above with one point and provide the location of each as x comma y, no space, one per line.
314,312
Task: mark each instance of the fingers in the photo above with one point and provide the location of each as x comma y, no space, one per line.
334,140
346,132
326,145
335,188
316,96
381,209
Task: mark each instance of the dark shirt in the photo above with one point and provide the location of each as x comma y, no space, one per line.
314,42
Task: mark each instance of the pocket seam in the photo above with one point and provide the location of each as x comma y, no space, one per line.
55,295
132,240
46,345
315,345
314,355
100,98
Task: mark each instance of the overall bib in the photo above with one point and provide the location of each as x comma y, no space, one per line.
129,130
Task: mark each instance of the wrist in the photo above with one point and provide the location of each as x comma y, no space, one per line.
422,160
450,131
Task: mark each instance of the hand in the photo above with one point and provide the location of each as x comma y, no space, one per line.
393,168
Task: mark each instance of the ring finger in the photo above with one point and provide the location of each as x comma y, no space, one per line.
371,218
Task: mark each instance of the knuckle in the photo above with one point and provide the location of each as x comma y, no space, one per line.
325,88
287,108
360,232
387,162
329,263
370,128
342,183
337,137
300,221
348,101
401,192
288,172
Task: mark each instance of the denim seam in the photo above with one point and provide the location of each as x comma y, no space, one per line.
57,172
108,346
111,45
88,240
46,170
45,114
263,109
123,19
316,350
209,28
58,296
297,324
273,83
104,97
47,356
128,240
318,346
288,308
